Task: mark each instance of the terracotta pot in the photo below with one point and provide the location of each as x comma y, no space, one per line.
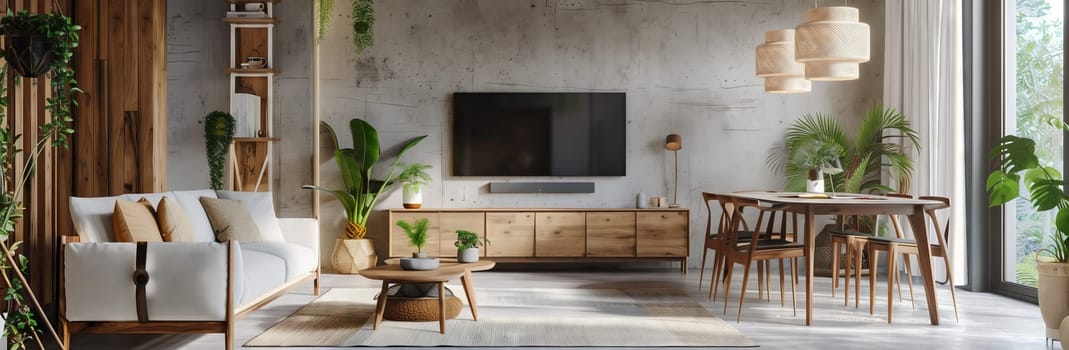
1053,296
352,255
1065,332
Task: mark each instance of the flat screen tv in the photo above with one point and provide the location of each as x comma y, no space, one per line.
539,134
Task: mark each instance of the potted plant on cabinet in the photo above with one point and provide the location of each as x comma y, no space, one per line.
1045,187
412,178
467,246
417,237
360,193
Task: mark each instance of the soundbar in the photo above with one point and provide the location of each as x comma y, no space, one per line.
541,187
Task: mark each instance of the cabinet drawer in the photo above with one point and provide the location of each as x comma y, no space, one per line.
610,234
451,222
664,233
560,234
510,234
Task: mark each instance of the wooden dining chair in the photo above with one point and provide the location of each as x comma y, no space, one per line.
761,248
713,240
854,243
909,247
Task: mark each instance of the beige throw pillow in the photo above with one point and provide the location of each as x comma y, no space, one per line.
173,222
135,222
231,220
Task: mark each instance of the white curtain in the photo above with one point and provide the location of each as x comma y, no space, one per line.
923,81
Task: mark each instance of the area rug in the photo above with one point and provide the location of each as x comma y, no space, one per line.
643,317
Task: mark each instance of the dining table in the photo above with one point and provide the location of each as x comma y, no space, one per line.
847,204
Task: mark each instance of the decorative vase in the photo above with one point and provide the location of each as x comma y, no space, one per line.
1065,332
642,201
29,54
468,255
419,264
1053,296
815,182
413,196
352,255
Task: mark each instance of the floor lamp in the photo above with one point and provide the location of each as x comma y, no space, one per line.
674,143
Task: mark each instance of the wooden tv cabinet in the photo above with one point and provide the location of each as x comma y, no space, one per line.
554,235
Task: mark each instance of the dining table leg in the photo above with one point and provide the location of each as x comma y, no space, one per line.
924,257
810,239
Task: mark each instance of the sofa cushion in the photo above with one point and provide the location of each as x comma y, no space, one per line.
135,222
190,202
231,220
173,222
299,260
92,218
263,272
262,207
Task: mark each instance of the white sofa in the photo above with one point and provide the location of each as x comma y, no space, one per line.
193,287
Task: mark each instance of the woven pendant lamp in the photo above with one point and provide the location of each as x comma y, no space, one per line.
775,62
832,43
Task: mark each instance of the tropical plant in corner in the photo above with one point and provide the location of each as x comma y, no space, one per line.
416,232
363,21
40,45
878,145
1046,191
218,134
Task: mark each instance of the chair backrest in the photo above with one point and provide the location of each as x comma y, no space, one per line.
894,218
710,197
942,232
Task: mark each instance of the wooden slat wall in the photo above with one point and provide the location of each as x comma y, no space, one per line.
120,141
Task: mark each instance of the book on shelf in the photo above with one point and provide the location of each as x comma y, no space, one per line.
246,14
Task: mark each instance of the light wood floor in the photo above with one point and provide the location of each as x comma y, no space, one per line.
988,321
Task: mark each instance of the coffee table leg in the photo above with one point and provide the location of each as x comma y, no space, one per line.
469,290
441,306
381,306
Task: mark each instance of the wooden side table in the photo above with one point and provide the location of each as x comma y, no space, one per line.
447,270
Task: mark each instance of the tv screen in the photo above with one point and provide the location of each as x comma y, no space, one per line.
539,134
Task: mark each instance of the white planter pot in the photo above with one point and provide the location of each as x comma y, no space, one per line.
413,196
815,185
469,255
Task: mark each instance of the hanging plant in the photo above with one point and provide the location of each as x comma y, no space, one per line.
40,45
218,134
363,23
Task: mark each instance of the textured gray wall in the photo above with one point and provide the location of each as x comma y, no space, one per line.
197,46
686,66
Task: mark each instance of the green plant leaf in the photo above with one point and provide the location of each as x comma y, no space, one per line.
365,145
1002,188
352,175
1018,153
1039,173
1046,194
323,9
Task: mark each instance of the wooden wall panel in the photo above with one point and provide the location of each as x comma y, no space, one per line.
119,145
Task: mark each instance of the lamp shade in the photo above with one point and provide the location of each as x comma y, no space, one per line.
831,43
673,142
775,62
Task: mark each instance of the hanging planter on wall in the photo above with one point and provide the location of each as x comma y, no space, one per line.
775,62
29,54
832,43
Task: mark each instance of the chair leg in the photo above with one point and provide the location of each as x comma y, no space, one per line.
701,271
898,283
834,267
891,277
781,291
794,267
727,283
873,254
857,275
794,281
768,281
742,296
714,282
847,264
760,280
953,295
909,281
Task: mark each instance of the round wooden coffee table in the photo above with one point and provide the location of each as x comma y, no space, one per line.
447,270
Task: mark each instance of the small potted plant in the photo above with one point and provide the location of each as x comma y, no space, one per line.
819,158
413,177
467,246
417,237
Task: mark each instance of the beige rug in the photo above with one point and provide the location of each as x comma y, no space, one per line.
646,317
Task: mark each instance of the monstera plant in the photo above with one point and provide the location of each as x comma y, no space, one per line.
360,192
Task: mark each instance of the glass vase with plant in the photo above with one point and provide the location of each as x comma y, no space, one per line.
412,178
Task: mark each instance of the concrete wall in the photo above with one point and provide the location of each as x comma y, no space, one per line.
197,52
686,66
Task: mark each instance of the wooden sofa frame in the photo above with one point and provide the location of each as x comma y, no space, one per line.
68,328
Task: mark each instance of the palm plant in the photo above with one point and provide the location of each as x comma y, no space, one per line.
357,165
879,144
416,232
